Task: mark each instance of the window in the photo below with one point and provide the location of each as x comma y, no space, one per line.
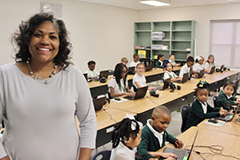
225,42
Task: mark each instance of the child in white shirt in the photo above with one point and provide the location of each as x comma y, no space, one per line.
91,73
125,138
169,73
186,68
135,60
198,66
172,60
209,63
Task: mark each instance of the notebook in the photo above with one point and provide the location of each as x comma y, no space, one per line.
182,154
141,92
229,116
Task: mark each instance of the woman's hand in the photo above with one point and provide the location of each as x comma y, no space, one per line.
5,158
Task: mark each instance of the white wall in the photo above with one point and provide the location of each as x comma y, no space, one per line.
201,14
97,32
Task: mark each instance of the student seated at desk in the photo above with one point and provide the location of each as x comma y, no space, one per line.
154,135
124,61
226,97
210,62
198,66
91,72
160,62
172,60
186,68
125,138
139,79
169,73
118,85
135,60
200,108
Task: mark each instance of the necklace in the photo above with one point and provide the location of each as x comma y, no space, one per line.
35,77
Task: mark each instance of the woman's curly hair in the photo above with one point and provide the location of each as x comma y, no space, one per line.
22,38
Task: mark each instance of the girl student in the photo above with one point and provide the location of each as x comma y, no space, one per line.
118,85
139,79
198,66
125,138
169,73
226,98
209,62
200,108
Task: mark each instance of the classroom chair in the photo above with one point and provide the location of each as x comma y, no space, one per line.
103,155
185,110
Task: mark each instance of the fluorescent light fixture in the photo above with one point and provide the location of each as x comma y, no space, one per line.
154,3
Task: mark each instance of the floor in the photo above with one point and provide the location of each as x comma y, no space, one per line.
173,129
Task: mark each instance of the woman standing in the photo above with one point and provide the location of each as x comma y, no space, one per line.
39,95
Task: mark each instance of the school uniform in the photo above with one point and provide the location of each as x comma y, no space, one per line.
113,83
122,152
91,74
172,61
160,64
200,112
198,67
152,141
184,69
171,75
134,64
208,65
140,79
223,99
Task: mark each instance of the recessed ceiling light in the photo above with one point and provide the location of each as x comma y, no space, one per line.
154,3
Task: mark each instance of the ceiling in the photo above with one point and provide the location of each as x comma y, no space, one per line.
134,4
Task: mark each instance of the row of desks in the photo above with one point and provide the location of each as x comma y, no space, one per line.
98,88
114,112
226,136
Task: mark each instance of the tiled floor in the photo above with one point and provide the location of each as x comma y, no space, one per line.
173,129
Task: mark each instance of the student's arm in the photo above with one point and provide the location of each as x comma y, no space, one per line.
197,110
138,84
142,148
113,94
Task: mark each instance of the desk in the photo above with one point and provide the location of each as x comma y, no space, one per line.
142,108
210,135
97,88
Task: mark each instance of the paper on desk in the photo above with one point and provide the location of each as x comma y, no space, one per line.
219,123
122,100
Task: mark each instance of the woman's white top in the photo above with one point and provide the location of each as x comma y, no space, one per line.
39,115
140,79
172,61
121,152
184,69
208,65
113,83
91,74
198,67
171,75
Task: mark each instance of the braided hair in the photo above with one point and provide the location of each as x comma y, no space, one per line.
201,85
123,130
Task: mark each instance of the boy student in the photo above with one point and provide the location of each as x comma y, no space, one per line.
154,135
135,60
124,61
172,60
186,68
160,62
92,73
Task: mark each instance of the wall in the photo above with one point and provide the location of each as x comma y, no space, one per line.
201,14
99,32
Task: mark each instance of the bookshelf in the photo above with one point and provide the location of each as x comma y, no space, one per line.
178,40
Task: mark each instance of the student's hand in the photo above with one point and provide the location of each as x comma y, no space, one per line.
178,143
170,158
194,75
169,155
5,158
223,112
152,88
131,94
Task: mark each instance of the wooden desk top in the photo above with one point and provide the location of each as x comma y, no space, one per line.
208,137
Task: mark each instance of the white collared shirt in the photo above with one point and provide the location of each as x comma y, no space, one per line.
93,73
134,64
228,97
208,65
198,67
171,75
184,69
113,83
204,106
122,152
172,62
158,135
160,62
140,79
